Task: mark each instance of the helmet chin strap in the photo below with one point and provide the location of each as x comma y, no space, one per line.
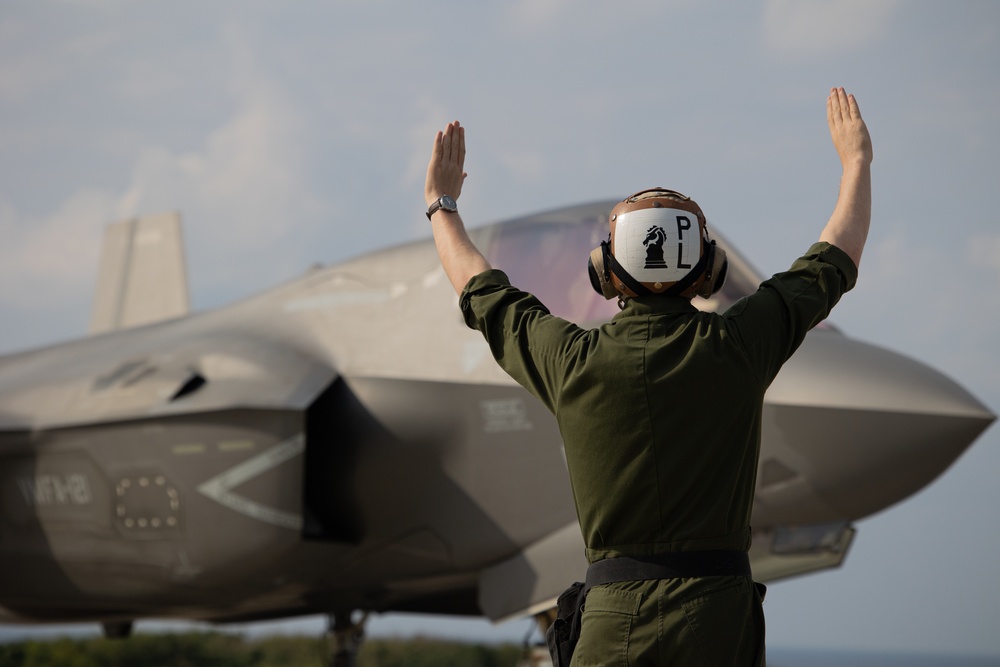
641,290
689,279
623,275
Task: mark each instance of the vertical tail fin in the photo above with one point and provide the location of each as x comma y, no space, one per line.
142,277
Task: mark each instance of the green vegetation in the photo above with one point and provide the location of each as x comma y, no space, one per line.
216,649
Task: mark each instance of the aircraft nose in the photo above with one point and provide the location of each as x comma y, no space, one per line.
851,428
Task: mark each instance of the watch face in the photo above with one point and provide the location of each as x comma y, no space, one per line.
448,204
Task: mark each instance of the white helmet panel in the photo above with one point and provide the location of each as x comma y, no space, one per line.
657,245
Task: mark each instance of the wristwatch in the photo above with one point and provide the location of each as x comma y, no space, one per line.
444,203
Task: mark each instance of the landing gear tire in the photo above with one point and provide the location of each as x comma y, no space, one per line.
117,629
345,634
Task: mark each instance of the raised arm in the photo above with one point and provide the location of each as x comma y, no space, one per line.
848,226
460,257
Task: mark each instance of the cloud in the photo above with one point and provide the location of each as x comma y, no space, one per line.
242,189
561,15
48,262
539,12
814,28
245,186
918,298
22,74
244,176
984,254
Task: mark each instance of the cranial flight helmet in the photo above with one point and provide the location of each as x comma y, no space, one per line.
659,244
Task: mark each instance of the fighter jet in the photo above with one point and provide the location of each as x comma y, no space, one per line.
344,443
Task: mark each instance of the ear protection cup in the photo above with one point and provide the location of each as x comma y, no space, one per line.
717,267
600,276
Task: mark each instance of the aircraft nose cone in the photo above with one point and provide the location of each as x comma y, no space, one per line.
858,428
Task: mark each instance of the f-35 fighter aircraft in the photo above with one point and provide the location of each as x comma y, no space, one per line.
343,442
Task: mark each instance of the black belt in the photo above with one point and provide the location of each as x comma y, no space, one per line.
564,632
669,566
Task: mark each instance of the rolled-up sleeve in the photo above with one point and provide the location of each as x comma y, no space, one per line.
773,322
528,342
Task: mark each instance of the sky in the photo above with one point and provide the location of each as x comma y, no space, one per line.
289,135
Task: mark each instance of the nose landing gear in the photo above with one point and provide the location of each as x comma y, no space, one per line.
345,634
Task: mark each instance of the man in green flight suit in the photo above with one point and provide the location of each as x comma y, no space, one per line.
660,409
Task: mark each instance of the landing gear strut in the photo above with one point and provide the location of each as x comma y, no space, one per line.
537,655
344,636
117,629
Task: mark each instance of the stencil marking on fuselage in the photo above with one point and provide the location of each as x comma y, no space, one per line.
219,488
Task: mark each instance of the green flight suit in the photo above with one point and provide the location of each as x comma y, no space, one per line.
660,415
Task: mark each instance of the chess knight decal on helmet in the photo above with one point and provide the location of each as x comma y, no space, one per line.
659,244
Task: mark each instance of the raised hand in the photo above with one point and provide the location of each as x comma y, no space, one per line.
445,171
847,128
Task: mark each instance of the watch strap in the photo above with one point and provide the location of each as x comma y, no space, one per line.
438,204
